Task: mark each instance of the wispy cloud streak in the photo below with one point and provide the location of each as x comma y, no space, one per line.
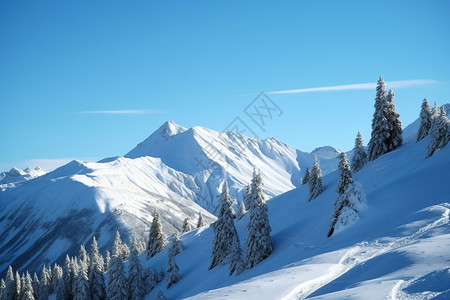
125,112
360,86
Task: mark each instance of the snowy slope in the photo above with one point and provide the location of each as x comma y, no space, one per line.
212,157
55,213
398,249
16,175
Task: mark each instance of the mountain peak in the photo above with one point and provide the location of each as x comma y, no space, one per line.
327,152
168,129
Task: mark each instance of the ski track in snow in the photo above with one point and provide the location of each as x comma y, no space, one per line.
366,251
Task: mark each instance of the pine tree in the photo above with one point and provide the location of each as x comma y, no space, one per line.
152,278
172,271
74,272
177,245
359,154
27,289
200,222
346,207
107,260
10,285
186,226
82,282
380,126
2,288
117,283
315,181
425,120
345,175
259,241
236,261
135,276
120,248
305,178
64,291
224,230
18,286
161,296
439,132
241,210
56,277
97,285
36,286
247,196
156,240
45,282
395,138
82,256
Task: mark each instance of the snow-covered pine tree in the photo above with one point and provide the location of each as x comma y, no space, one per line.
22,285
151,278
161,296
74,272
395,138
315,181
346,208
95,257
425,120
10,285
117,284
224,230
56,277
236,260
380,126
82,256
120,248
36,286
45,282
439,131
345,176
2,288
177,245
359,154
82,282
27,289
200,222
107,260
259,241
156,239
97,285
172,271
247,195
186,226
64,291
242,210
135,275
305,178
18,286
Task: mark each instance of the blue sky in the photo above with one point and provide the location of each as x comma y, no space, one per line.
201,63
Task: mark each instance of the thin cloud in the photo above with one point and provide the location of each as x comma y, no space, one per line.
125,112
360,86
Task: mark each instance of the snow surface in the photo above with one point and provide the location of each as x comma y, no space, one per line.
398,249
15,175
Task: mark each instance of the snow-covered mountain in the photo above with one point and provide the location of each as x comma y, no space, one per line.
398,249
176,171
16,175
212,157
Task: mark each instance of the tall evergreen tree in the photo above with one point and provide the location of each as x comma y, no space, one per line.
395,138
120,248
18,286
315,181
10,285
345,175
259,241
156,239
305,178
27,289
359,154
107,260
36,286
242,210
64,291
45,282
247,196
186,225
425,120
56,277
177,245
117,283
224,230
439,132
135,276
97,285
82,256
172,271
200,222
82,283
2,288
74,272
236,260
380,126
